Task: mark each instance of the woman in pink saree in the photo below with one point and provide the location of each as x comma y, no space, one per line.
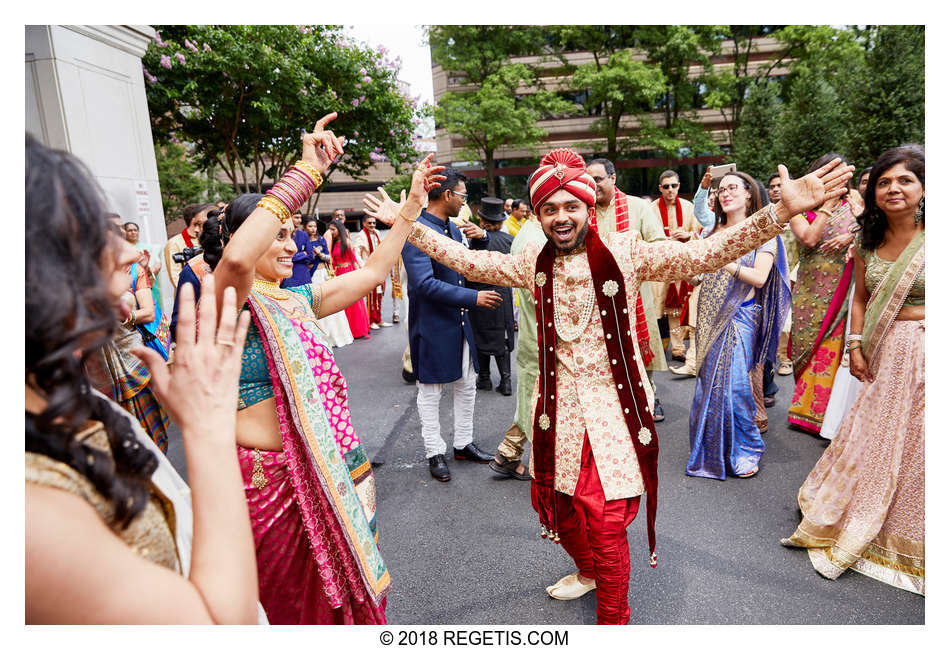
308,482
863,502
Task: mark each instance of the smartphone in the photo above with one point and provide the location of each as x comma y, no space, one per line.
718,171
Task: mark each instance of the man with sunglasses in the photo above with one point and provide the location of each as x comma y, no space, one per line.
679,223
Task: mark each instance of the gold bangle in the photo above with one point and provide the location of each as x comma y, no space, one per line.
413,220
276,207
310,171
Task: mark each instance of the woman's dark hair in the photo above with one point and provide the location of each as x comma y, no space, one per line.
214,238
210,240
751,186
69,310
821,161
873,223
344,237
857,178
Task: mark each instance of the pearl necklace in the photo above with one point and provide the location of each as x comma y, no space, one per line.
571,334
270,289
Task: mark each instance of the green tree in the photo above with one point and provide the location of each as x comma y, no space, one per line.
886,95
496,115
182,183
241,95
479,51
754,143
619,86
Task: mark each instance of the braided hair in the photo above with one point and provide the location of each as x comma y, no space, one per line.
69,318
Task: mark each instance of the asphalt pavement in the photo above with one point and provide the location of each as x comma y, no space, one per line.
469,552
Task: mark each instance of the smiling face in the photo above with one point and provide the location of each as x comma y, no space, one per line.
898,191
563,219
277,262
733,195
369,223
605,183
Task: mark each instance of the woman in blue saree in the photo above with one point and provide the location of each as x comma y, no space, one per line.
741,309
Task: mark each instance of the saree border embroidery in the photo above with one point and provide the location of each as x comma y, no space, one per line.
308,412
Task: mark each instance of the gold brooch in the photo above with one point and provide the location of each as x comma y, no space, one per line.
544,422
645,436
540,278
611,288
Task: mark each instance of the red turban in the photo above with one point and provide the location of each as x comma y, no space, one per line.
561,169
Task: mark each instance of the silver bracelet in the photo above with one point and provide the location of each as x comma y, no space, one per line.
855,337
773,215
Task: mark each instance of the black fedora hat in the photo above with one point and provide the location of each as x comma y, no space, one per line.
492,209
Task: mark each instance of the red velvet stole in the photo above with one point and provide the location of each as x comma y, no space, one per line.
622,217
609,288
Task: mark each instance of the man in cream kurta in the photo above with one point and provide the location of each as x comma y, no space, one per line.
684,228
642,219
594,459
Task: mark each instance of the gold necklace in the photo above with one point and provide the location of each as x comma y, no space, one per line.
270,289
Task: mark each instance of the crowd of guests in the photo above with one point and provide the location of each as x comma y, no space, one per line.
837,299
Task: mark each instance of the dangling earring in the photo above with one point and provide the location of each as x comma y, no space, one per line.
919,215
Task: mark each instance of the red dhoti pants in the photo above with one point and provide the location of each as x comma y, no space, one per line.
594,533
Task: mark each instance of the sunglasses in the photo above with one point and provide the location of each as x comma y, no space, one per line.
670,185
464,196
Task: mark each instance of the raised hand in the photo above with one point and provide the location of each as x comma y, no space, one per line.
321,147
810,191
201,391
385,209
425,177
707,179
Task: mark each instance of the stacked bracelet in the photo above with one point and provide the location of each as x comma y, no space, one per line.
855,337
292,190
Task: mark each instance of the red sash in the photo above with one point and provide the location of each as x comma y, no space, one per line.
187,238
621,213
609,288
677,296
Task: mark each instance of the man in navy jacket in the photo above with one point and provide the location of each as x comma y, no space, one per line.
441,342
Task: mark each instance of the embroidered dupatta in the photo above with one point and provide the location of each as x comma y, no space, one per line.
721,295
314,451
609,289
888,297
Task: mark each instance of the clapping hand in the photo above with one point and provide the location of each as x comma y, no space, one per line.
810,191
472,231
837,243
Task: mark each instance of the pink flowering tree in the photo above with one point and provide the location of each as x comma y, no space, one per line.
239,95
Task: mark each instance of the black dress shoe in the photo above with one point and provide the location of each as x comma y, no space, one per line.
438,468
658,411
472,453
483,382
504,387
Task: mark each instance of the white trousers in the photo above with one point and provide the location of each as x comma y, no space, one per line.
428,399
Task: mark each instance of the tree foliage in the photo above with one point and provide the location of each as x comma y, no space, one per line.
241,95
496,115
182,183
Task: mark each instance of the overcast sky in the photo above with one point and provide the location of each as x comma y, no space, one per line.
408,42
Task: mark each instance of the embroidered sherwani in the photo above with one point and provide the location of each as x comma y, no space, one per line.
642,219
587,396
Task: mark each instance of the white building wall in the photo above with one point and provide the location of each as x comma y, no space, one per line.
85,93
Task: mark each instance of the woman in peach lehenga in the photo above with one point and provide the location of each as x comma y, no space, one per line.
863,503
